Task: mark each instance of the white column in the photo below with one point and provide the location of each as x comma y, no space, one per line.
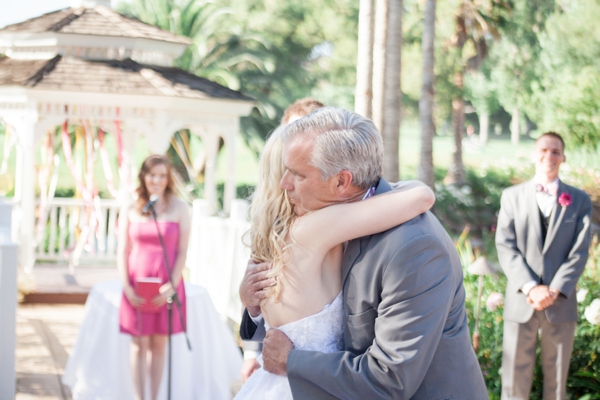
230,146
211,143
8,304
28,131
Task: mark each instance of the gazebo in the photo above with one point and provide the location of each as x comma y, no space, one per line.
90,63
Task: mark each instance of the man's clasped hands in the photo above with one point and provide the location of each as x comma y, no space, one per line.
542,297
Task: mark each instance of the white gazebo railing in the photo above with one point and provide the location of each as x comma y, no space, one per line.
217,256
65,231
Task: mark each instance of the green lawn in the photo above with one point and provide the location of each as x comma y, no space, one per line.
498,150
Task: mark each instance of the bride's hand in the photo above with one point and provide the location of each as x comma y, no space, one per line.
252,289
276,348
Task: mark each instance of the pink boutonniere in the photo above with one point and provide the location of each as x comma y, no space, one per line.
564,199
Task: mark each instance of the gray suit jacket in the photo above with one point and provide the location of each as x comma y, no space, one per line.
405,333
557,261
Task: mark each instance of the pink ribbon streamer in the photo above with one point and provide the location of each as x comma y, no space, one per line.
106,165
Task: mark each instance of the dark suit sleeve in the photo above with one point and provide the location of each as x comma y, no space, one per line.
511,259
249,330
417,288
569,272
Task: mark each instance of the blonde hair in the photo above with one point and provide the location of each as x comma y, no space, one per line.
271,212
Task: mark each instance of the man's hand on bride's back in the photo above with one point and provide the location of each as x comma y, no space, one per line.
255,285
275,351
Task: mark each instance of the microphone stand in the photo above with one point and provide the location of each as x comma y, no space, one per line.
170,299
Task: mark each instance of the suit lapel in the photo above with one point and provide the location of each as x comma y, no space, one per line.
533,210
350,255
353,248
556,217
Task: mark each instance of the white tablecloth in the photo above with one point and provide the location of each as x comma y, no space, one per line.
98,367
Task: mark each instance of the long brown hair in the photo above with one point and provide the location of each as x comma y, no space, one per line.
142,190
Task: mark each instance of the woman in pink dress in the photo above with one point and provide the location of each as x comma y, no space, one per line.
140,255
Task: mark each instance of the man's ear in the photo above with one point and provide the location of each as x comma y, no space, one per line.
344,180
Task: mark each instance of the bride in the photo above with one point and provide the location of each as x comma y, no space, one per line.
304,248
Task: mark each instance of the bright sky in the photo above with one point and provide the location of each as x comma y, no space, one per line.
13,11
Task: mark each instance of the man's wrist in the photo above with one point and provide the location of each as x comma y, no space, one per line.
526,288
257,320
254,312
250,355
555,291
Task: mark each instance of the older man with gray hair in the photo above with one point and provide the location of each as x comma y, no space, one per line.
405,325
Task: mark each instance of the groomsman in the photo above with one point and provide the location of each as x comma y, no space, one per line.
543,239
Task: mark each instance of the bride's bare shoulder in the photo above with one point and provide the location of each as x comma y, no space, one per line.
307,232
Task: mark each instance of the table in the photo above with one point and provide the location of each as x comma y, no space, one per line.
98,367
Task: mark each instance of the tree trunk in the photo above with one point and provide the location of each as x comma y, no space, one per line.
456,172
363,99
426,170
484,127
387,93
515,126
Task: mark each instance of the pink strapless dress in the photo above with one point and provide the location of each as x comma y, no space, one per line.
146,260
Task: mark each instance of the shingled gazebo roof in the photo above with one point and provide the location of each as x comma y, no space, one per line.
98,21
110,76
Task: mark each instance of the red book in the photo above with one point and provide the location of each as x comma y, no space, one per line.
148,289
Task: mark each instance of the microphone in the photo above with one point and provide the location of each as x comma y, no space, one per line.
153,199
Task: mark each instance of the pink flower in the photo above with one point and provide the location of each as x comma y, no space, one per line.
494,301
564,199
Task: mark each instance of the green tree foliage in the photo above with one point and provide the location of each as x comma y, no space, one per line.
567,90
514,61
273,51
314,45
546,62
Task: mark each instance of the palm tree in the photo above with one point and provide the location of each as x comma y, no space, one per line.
217,49
387,95
475,24
426,171
363,99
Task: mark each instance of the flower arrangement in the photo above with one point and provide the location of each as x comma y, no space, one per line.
565,199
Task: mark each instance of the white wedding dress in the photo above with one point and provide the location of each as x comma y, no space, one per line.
318,332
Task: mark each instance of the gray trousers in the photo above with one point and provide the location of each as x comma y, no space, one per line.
518,357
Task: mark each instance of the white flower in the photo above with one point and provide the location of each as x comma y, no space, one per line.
494,300
592,312
581,294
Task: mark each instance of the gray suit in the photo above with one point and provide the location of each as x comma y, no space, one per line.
405,331
556,260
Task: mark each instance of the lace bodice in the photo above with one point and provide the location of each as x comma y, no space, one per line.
319,332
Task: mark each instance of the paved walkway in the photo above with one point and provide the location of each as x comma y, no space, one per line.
46,334
47,330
